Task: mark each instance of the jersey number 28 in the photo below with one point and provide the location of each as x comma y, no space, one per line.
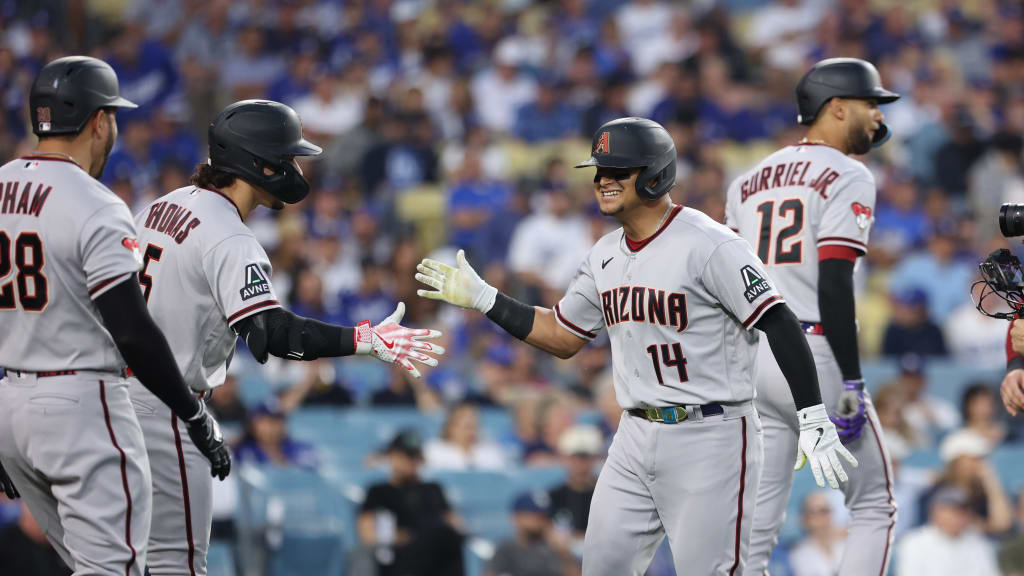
33,292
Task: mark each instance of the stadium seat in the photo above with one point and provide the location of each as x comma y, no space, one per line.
482,499
220,560
545,478
1008,460
302,554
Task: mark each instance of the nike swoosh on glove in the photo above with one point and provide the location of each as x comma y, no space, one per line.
205,434
6,486
391,342
819,444
850,411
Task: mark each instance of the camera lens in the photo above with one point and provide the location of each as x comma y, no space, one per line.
1011,220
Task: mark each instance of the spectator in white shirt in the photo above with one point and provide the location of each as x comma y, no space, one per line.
641,22
460,446
947,545
332,108
821,551
500,91
927,415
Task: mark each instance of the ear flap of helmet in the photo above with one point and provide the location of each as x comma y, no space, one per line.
655,181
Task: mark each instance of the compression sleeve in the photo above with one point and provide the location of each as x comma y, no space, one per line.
144,347
789,346
838,317
281,333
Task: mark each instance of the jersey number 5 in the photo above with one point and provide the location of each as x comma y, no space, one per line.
793,207
153,252
671,357
28,257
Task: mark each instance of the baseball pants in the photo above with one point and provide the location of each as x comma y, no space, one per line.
74,449
694,481
868,494
179,535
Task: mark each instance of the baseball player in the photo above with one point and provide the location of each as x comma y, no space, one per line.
206,280
680,296
806,211
72,317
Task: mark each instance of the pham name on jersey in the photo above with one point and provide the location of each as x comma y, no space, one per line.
641,304
785,175
170,219
27,202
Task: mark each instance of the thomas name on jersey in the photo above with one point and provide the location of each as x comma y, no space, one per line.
27,203
787,174
641,304
170,219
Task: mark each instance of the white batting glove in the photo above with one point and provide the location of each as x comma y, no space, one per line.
460,286
393,343
819,443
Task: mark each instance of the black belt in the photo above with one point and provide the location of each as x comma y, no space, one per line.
674,414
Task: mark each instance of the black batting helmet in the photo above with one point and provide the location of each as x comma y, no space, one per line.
67,92
637,143
843,78
251,135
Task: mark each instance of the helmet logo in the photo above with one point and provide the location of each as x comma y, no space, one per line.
602,144
43,118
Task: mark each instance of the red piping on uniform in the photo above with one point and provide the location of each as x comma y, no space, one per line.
184,491
636,246
834,252
106,283
739,507
858,243
753,315
124,480
575,328
226,197
892,498
251,308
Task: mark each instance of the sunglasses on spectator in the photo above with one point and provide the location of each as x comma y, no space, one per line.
618,174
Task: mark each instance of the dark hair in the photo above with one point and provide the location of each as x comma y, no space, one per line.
206,176
973,391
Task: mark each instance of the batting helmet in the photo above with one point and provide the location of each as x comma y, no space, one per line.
251,135
843,78
637,143
67,92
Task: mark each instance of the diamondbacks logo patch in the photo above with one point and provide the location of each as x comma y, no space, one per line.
753,283
133,246
43,118
256,283
863,214
603,146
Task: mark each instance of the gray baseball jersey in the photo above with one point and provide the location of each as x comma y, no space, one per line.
68,435
679,310
65,239
203,271
794,207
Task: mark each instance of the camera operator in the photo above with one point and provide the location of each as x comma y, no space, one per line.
1003,277
1012,388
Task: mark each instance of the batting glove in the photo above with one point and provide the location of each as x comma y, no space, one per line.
460,286
819,444
205,434
850,411
6,486
393,343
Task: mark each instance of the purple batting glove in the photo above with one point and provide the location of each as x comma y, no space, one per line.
850,415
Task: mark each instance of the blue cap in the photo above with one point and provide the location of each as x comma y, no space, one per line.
912,297
536,501
269,407
912,364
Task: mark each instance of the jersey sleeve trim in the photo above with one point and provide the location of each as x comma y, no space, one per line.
837,252
843,241
760,310
250,310
572,327
102,286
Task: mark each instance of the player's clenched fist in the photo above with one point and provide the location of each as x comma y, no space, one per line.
460,286
819,444
205,434
393,343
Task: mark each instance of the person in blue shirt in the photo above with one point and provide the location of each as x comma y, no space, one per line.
549,117
266,440
145,71
945,279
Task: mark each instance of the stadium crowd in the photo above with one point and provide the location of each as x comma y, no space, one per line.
455,123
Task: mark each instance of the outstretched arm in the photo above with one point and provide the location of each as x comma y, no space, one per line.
463,287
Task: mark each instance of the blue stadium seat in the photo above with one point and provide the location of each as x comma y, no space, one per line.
1008,461
220,560
545,478
928,459
482,499
303,554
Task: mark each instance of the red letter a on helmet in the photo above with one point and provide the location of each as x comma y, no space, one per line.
602,144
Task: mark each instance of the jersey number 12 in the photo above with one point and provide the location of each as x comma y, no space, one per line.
793,254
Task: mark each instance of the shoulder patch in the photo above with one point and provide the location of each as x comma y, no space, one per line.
863,213
132,245
256,283
753,283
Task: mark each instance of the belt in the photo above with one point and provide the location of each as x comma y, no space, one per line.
812,328
673,414
51,373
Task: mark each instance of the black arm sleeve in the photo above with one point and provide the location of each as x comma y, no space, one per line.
792,353
512,315
838,317
1015,363
143,346
285,335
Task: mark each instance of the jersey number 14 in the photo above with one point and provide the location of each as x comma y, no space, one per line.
671,357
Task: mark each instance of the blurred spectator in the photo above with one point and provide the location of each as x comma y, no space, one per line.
921,269
612,105
403,157
821,551
474,202
502,89
307,297
548,117
407,523
1011,555
132,160
954,158
146,74
321,385
460,446
24,550
974,339
898,435
405,390
900,224
531,552
927,415
947,545
640,22
910,330
266,440
372,301
332,107
998,177
553,418
248,68
581,447
980,414
968,469
226,404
